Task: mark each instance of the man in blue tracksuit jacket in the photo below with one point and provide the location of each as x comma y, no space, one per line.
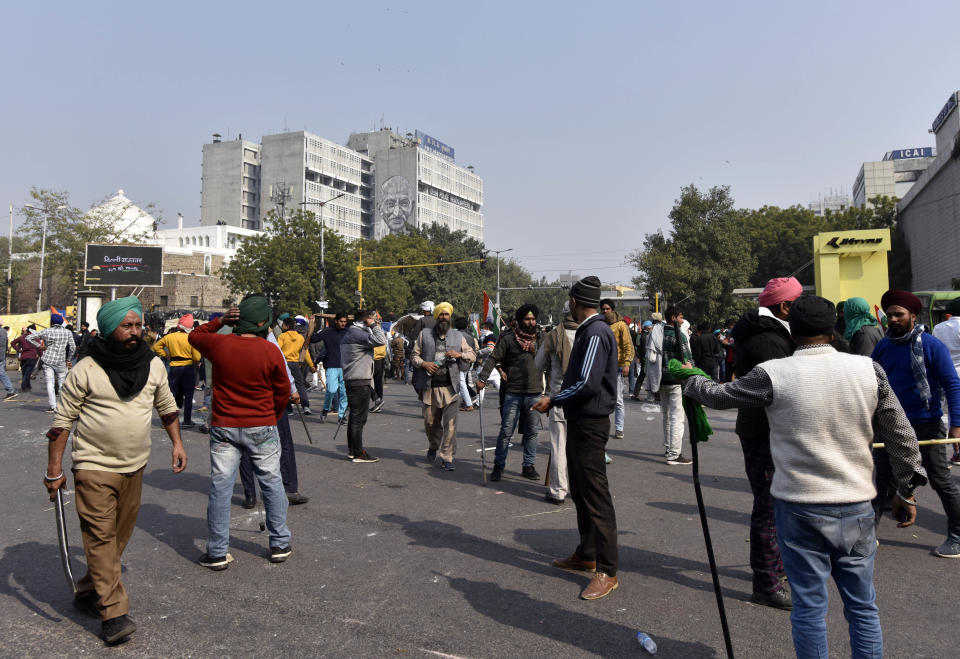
919,368
588,395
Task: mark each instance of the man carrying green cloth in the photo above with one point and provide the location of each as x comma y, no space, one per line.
111,395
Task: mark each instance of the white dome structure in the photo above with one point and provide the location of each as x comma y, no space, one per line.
128,222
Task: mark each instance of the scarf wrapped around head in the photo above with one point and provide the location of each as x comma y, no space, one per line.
856,315
112,313
915,340
254,310
440,308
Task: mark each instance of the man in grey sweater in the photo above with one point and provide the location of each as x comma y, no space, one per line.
823,408
356,355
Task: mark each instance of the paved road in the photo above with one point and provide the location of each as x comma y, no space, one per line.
403,559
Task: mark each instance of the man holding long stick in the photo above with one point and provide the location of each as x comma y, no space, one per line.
111,396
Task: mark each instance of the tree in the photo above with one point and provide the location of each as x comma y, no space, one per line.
781,239
702,260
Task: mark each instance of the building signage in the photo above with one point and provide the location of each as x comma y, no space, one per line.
836,242
123,265
948,107
435,145
901,154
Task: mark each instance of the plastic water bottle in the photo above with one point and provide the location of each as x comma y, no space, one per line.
646,642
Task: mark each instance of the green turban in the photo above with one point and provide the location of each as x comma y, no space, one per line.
253,311
112,313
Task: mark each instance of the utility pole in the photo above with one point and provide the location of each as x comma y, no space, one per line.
498,252
10,262
323,230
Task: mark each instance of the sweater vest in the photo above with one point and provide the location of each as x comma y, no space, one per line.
821,426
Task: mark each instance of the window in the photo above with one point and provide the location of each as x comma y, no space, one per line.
163,300
194,301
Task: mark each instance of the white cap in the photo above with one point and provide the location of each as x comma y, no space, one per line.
427,306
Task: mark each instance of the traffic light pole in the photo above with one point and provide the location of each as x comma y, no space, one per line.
361,268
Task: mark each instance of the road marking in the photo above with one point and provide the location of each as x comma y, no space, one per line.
546,512
442,654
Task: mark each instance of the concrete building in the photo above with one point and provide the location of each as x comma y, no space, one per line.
217,240
891,177
929,213
379,183
230,184
190,281
834,203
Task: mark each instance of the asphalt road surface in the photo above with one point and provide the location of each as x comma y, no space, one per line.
400,558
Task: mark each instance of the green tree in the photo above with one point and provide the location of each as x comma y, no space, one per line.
702,260
781,239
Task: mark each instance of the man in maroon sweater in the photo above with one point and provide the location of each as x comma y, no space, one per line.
250,392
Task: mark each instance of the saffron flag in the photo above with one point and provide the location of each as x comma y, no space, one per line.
491,314
881,317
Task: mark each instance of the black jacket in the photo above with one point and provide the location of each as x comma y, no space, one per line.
757,339
590,384
522,374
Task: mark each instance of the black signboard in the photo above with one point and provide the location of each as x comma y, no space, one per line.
123,265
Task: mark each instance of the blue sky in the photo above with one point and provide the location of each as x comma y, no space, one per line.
584,119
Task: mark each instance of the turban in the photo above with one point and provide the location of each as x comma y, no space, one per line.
780,289
525,310
282,317
586,291
811,315
56,319
657,316
856,316
186,321
904,299
647,323
426,306
253,311
440,308
112,313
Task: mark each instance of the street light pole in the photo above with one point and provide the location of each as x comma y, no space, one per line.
498,252
43,248
10,262
323,230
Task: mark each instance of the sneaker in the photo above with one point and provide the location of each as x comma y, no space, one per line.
529,471
431,456
114,630
601,585
88,603
552,499
279,554
52,410
295,499
365,457
618,434
323,416
778,600
949,549
377,406
204,429
496,473
249,503
306,411
955,459
11,395
606,458
216,563
679,460
341,420
448,466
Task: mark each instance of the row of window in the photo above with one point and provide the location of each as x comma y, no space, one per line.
197,241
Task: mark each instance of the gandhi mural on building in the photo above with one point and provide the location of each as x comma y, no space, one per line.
395,205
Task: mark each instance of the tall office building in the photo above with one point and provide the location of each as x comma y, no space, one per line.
379,183
832,202
891,177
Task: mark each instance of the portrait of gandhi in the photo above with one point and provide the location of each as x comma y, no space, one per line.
395,205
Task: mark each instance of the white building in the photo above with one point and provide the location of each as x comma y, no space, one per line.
217,240
832,202
891,177
126,221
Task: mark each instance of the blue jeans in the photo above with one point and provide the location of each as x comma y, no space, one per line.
335,386
818,541
4,380
262,444
513,406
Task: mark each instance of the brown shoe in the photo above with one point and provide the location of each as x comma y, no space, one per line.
600,586
574,562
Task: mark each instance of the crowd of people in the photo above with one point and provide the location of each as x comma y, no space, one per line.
814,389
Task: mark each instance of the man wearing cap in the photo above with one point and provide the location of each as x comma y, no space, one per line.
250,392
948,332
760,335
440,353
588,395
824,408
183,357
516,352
57,347
919,368
111,396
333,366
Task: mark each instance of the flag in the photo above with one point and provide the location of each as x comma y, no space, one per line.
881,317
491,314
53,309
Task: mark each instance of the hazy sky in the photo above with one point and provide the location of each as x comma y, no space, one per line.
584,119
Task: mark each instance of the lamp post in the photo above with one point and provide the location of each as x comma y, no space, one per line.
498,252
10,262
323,230
43,247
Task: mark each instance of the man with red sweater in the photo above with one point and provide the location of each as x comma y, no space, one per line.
250,392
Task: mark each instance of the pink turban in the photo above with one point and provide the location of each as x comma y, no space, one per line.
780,289
186,321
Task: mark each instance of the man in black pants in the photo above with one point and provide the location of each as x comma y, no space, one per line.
588,396
356,354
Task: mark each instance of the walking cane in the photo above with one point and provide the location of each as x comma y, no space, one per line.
63,544
703,517
483,448
304,421
340,424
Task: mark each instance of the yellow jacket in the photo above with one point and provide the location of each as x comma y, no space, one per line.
624,343
290,343
379,352
177,349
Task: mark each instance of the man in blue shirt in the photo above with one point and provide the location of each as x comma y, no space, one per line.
919,368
